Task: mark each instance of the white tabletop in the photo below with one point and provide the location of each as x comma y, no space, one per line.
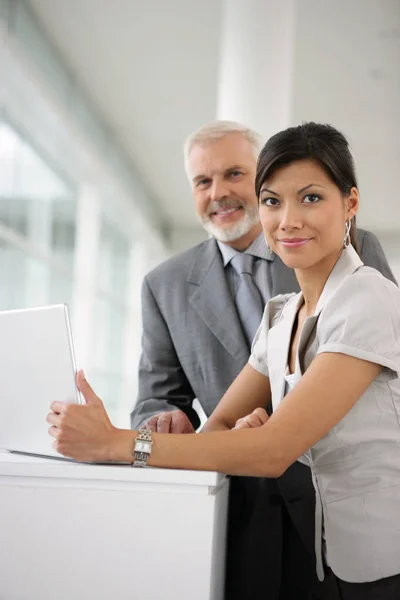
18,465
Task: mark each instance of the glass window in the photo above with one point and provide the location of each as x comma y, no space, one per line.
37,241
113,262
27,281
34,200
111,318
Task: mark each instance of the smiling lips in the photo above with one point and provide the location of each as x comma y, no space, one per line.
225,212
294,242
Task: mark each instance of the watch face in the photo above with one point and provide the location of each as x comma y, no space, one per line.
142,446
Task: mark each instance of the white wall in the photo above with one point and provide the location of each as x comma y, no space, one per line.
184,238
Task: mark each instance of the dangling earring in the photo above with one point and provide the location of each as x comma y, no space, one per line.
347,239
266,243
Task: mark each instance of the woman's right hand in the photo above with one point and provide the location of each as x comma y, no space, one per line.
256,419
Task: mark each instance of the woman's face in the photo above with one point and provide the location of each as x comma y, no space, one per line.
303,214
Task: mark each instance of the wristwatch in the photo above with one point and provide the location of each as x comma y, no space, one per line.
142,448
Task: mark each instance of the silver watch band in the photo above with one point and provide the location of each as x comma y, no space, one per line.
142,447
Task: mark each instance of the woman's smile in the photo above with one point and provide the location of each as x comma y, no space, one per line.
294,242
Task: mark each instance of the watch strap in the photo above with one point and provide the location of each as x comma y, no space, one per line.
140,456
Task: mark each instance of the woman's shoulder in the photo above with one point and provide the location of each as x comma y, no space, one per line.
366,293
362,319
368,281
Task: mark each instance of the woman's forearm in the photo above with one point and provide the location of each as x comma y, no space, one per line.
239,452
210,426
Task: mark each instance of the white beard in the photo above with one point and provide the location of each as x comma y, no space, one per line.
236,231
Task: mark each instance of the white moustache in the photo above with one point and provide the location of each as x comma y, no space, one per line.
218,205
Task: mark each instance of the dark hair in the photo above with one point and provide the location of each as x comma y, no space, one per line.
322,143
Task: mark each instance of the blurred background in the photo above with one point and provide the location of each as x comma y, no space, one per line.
96,100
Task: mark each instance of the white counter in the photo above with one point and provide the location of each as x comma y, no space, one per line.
74,532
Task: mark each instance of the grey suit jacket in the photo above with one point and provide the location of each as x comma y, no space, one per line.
193,345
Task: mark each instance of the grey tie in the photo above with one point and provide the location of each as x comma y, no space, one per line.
248,299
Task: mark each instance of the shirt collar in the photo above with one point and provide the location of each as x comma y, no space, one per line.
257,248
347,263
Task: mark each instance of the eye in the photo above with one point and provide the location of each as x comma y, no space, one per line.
235,174
311,199
203,182
270,201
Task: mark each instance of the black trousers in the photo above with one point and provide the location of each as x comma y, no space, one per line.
266,556
270,555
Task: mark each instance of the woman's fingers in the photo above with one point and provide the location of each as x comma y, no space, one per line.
54,419
53,431
261,414
256,419
86,389
242,424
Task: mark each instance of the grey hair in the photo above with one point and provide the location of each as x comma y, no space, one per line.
217,130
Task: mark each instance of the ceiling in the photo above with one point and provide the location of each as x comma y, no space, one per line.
151,69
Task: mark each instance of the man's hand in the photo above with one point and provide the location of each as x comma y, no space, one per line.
257,418
170,422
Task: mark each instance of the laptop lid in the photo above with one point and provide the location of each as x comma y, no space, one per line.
37,366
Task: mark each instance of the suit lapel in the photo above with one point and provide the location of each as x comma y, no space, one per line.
211,298
279,337
305,334
348,263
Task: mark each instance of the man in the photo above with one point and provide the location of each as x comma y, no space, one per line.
200,312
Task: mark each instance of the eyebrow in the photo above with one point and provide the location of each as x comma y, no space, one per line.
299,191
234,168
199,178
228,170
310,185
264,189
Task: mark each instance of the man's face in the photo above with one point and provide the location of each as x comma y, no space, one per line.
222,174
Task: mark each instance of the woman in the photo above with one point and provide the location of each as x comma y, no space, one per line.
329,358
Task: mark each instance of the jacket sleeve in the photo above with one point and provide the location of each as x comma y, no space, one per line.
362,320
163,385
372,255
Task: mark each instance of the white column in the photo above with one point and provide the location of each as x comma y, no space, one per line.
136,271
3,48
39,233
256,68
85,275
147,251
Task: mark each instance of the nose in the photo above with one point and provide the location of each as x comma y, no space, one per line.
219,189
291,217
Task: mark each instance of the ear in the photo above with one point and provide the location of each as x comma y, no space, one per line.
352,203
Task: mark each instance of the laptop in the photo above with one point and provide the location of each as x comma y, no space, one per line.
37,366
